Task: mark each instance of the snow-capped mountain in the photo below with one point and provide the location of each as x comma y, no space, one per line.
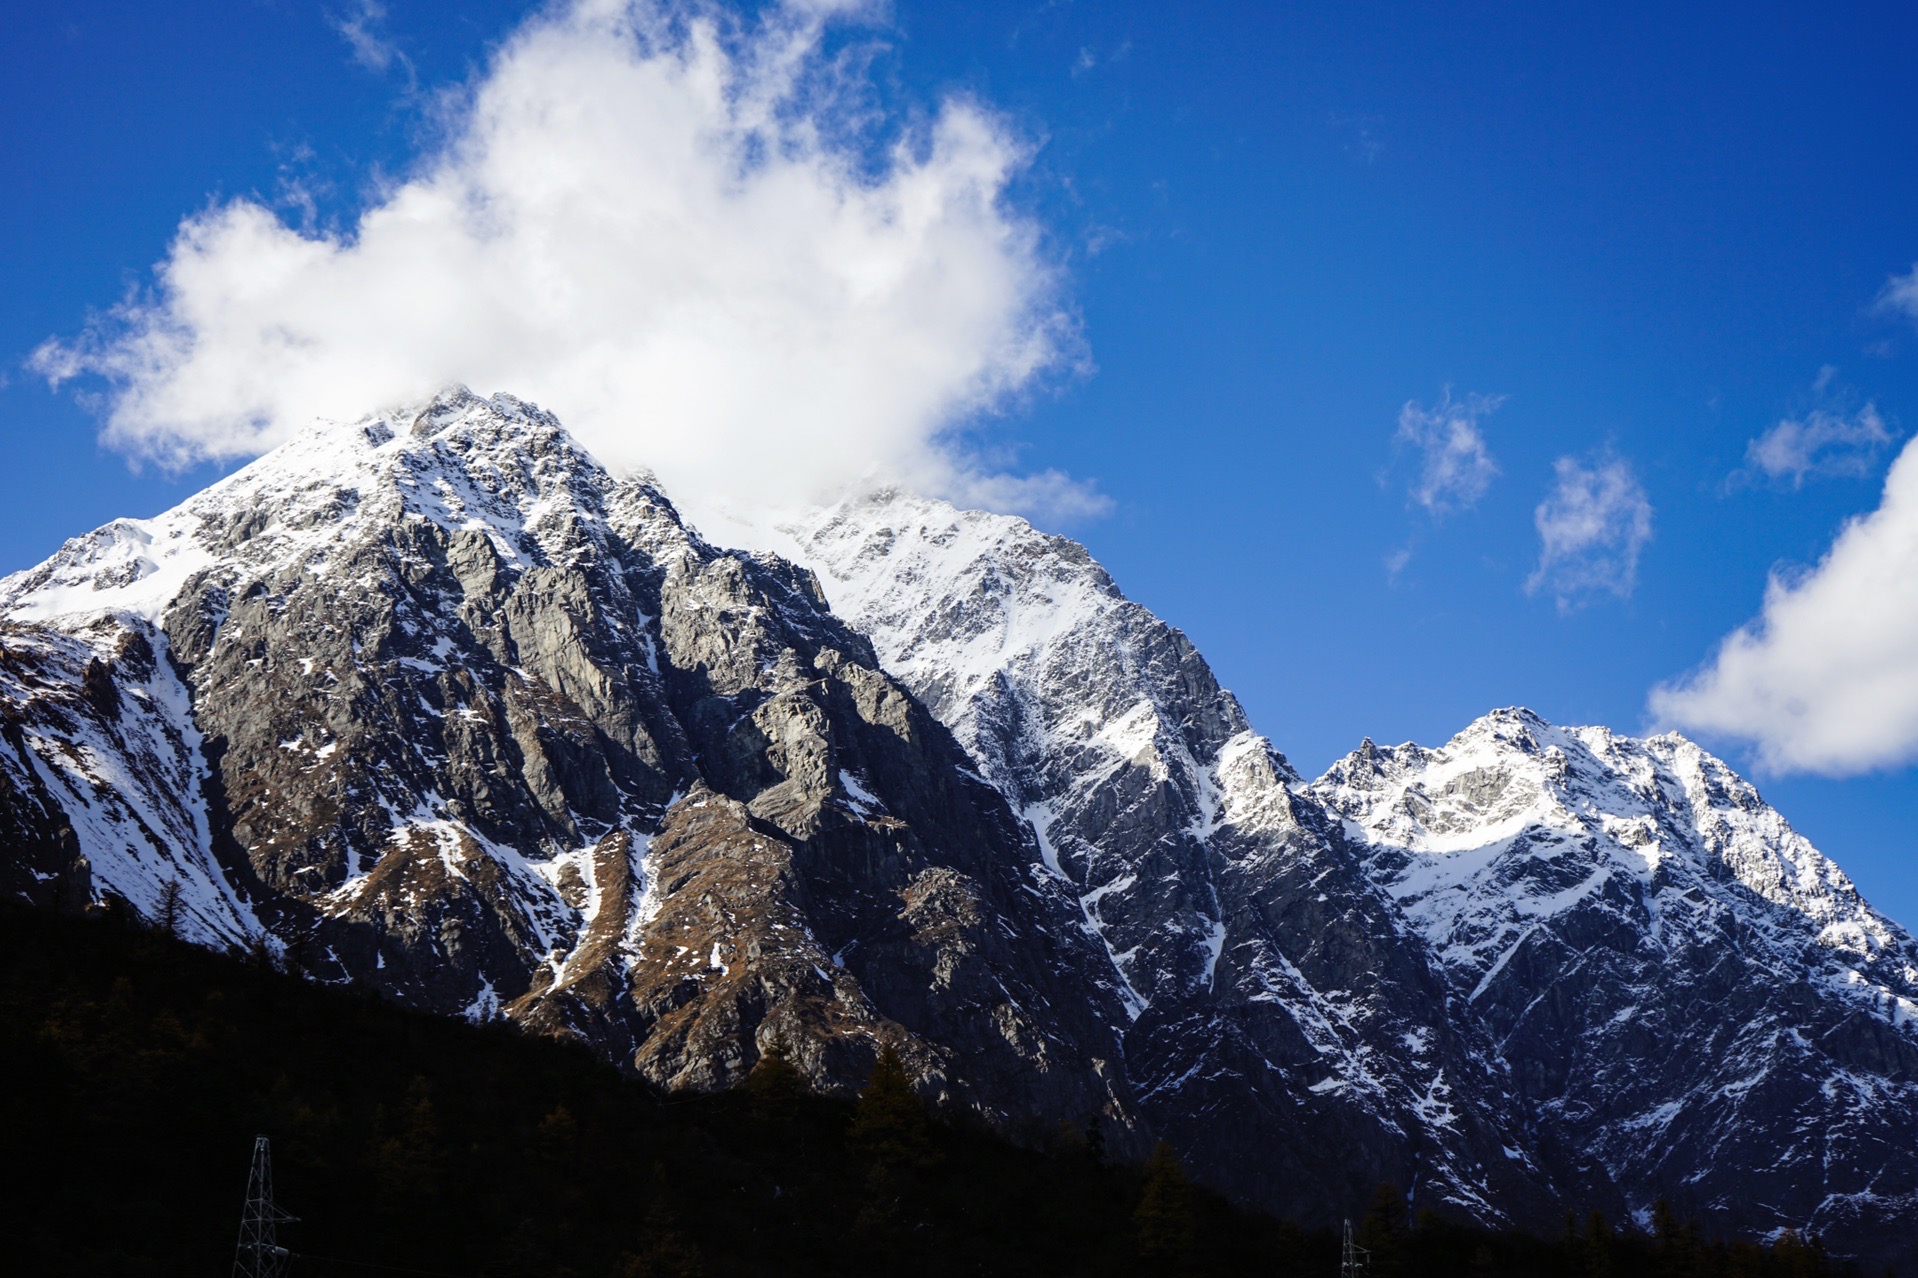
439,706
480,726
1686,990
1279,1023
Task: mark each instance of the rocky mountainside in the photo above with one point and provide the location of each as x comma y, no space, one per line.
1281,1022
1683,987
1733,1033
433,703
459,716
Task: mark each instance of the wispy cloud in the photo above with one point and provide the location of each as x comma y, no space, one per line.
1819,444
1361,134
363,27
1832,438
1899,296
1453,465
688,234
1091,59
1592,528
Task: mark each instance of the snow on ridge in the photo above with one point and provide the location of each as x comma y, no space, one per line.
1519,820
1077,703
465,462
127,774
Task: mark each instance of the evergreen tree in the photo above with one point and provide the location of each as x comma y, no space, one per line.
1382,1230
891,1129
259,953
303,954
1163,1222
1599,1247
558,1137
409,1156
169,911
1666,1241
664,1246
775,1083
889,1121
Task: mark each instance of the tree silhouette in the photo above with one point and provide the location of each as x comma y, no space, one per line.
1164,1222
1382,1230
775,1084
169,911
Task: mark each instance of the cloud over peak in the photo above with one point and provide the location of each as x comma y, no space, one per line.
682,236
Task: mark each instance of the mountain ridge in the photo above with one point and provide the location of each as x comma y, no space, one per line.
492,730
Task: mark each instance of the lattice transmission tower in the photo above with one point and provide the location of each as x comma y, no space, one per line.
1354,1258
258,1255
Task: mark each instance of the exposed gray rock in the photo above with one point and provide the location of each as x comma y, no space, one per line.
432,703
1283,1028
1688,993
496,734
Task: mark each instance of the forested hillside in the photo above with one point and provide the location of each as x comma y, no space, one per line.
141,1068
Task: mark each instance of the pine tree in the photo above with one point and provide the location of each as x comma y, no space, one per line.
1599,1240
889,1122
666,1250
170,910
558,1136
891,1129
1382,1230
259,952
303,948
1163,1222
409,1156
1665,1237
775,1084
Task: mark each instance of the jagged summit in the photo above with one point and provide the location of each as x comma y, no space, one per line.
1511,769
1682,976
485,727
459,460
441,706
1264,978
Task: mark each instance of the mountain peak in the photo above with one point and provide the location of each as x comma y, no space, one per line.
509,738
465,462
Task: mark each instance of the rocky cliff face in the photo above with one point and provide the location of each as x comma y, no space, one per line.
484,728
1731,1032
434,704
1281,1026
1684,988
102,781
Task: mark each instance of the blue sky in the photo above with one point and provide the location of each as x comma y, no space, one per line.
1650,236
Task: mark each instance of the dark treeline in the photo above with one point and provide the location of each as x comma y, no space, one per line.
138,1070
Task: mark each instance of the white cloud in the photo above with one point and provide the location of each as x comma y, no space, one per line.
1821,443
683,237
362,29
1900,294
1454,466
1826,678
1591,530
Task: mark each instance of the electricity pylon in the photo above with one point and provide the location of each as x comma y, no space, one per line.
1354,1258
258,1255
